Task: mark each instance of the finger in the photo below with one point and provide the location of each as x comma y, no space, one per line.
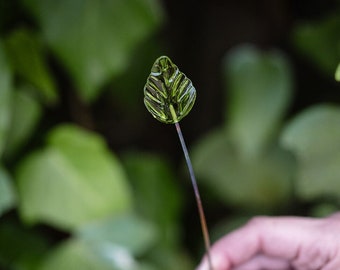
276,237
261,262
218,263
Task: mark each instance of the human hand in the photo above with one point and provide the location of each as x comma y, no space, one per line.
280,243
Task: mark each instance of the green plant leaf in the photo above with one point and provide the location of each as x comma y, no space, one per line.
319,41
313,136
77,254
27,56
169,259
20,247
7,194
26,113
156,192
260,184
323,210
128,231
73,181
95,39
5,98
337,73
242,163
259,86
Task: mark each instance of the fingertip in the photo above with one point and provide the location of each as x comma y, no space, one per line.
218,263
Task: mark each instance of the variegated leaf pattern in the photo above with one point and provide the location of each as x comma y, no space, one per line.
168,94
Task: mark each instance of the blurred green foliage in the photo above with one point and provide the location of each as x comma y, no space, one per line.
243,162
319,41
72,181
5,97
27,58
7,193
313,136
67,201
337,73
258,164
94,39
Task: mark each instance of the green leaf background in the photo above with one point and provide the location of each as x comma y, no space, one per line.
89,181
241,162
74,180
62,176
7,193
319,41
314,138
5,97
25,117
260,86
27,58
97,45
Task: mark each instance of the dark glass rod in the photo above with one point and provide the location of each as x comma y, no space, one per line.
197,195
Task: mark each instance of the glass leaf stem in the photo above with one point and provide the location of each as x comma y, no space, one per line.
195,187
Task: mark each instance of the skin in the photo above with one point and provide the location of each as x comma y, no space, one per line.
279,243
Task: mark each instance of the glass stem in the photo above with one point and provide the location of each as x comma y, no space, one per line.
195,187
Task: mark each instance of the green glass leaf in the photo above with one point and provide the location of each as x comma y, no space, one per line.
95,40
129,231
7,195
74,180
5,97
168,94
313,136
259,88
27,57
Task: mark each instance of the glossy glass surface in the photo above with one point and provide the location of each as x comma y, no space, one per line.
168,94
